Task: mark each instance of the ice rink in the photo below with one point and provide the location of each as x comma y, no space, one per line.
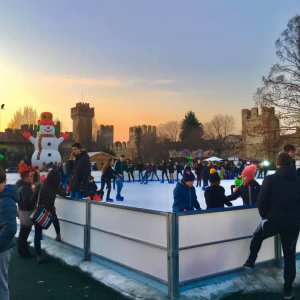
154,195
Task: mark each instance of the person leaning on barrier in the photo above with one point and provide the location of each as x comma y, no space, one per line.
49,189
184,194
9,195
279,206
249,190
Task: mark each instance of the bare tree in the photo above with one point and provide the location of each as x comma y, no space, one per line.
95,128
27,116
169,130
281,88
220,134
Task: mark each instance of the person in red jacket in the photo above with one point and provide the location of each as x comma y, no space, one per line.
22,167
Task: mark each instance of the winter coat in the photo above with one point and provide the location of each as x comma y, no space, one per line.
171,167
91,187
164,167
249,193
94,167
294,163
154,169
205,173
279,195
130,167
25,195
227,167
185,198
44,168
22,168
140,167
198,170
48,195
120,167
238,181
215,197
8,214
79,170
109,174
148,169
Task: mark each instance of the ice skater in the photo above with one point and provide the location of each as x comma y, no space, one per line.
171,170
108,173
250,188
130,167
140,168
164,169
184,194
215,194
279,206
198,171
179,170
205,175
148,169
154,172
120,167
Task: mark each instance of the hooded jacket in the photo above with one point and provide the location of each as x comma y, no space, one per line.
215,197
248,192
79,170
279,196
8,214
185,198
26,192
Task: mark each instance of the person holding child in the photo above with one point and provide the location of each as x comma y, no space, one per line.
215,194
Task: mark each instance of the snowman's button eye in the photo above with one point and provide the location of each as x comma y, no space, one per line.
44,117
49,154
49,144
50,117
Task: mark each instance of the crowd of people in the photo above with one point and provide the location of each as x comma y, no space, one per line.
278,199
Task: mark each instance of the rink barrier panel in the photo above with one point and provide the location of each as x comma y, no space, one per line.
171,283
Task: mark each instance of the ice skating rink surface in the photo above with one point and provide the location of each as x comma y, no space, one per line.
154,195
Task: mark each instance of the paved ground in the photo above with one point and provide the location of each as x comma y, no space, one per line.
262,296
53,280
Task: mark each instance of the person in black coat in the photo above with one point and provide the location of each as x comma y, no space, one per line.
198,171
108,173
130,168
92,187
171,170
205,175
79,170
249,190
278,204
154,172
179,170
140,168
164,169
215,194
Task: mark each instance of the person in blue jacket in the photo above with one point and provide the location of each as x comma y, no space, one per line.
184,194
9,196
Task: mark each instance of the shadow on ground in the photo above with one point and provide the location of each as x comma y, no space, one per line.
53,280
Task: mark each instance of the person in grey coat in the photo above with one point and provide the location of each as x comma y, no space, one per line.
9,196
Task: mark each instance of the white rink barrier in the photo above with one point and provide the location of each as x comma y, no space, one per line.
170,251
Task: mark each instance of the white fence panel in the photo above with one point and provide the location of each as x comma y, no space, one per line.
147,259
70,210
147,227
213,259
217,226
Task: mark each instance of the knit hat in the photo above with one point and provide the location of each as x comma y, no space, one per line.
188,175
214,177
46,119
249,172
28,170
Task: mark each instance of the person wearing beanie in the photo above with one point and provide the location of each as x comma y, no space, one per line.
184,194
278,204
25,209
250,188
215,194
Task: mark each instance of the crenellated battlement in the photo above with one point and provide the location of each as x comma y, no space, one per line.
82,110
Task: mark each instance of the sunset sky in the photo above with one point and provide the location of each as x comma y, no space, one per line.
137,62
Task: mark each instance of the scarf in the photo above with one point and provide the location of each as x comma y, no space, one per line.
40,143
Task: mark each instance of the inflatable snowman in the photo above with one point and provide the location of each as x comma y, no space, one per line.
46,143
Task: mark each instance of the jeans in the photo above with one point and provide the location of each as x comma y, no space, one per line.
140,175
154,173
119,185
227,172
288,229
76,194
64,184
38,234
4,264
146,176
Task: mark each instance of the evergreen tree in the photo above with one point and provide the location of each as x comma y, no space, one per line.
190,126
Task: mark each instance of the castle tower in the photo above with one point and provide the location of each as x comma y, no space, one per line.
82,116
105,136
260,133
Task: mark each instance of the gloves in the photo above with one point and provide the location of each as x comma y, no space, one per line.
65,136
27,135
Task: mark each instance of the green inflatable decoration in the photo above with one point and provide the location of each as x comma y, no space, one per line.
1,157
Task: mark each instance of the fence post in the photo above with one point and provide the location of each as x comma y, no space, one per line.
173,257
278,252
86,243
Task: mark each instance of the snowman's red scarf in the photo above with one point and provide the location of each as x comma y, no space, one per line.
40,143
